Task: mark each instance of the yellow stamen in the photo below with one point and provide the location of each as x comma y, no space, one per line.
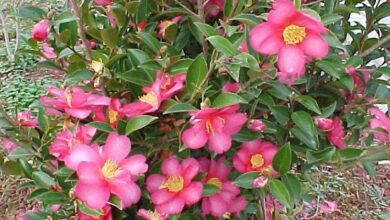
166,83
209,127
173,184
257,160
227,215
150,98
154,215
112,116
110,169
294,34
215,181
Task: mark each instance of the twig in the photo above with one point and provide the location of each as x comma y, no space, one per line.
317,209
312,3
375,46
3,18
186,8
205,47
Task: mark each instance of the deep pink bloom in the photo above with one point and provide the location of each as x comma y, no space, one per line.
231,87
260,182
40,31
114,112
324,124
272,205
91,44
255,155
163,25
329,207
213,7
336,135
168,84
66,139
74,101
227,199
214,126
289,33
175,187
381,123
48,51
26,120
151,215
107,215
103,2
9,145
105,170
256,125
359,78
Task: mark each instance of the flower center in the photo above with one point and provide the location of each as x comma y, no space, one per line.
110,169
257,160
173,184
167,82
294,34
150,98
215,181
209,127
112,116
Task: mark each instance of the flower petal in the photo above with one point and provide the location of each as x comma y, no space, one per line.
190,168
117,147
161,196
291,59
320,49
78,113
153,182
89,173
234,122
174,206
128,192
194,138
192,193
220,142
259,33
135,164
96,196
170,167
81,153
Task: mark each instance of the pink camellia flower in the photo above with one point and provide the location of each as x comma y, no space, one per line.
48,51
243,46
336,135
260,182
256,125
103,2
106,170
9,145
214,126
167,84
163,25
255,155
324,124
150,215
231,87
74,101
107,215
175,187
40,31
359,79
289,33
25,119
114,112
111,19
213,7
227,199
272,205
380,121
65,140
91,44
329,207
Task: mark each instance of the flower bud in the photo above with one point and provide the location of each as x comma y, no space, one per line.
40,31
259,182
324,124
256,125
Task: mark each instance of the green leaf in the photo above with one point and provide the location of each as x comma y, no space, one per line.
52,198
280,192
347,81
245,180
309,103
180,66
43,121
303,120
196,73
383,70
91,212
282,159
304,129
328,110
206,29
20,153
222,44
119,13
42,179
249,19
179,107
382,11
79,75
281,113
31,12
293,185
110,37
226,99
138,77
151,42
350,153
249,61
101,126
329,68
210,189
331,19
304,136
50,65
228,8
138,122
11,168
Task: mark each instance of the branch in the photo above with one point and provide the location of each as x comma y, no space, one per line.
205,47
80,26
186,8
3,18
376,46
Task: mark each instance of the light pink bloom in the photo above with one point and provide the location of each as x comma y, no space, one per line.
163,25
214,126
336,135
324,124
359,78
231,87
168,84
256,125
175,188
260,182
289,33
381,122
48,51
213,7
26,120
103,2
227,199
74,101
105,170
150,215
107,215
9,145
66,139
329,207
255,155
40,31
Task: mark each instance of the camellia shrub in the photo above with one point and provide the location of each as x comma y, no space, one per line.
200,109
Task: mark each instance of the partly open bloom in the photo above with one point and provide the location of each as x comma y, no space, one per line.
103,2
360,78
381,123
213,7
231,87
26,120
175,187
107,170
40,31
9,145
48,51
107,215
255,155
290,34
215,126
112,115
256,125
66,139
163,25
324,124
227,200
336,135
151,215
168,84
74,101
260,182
